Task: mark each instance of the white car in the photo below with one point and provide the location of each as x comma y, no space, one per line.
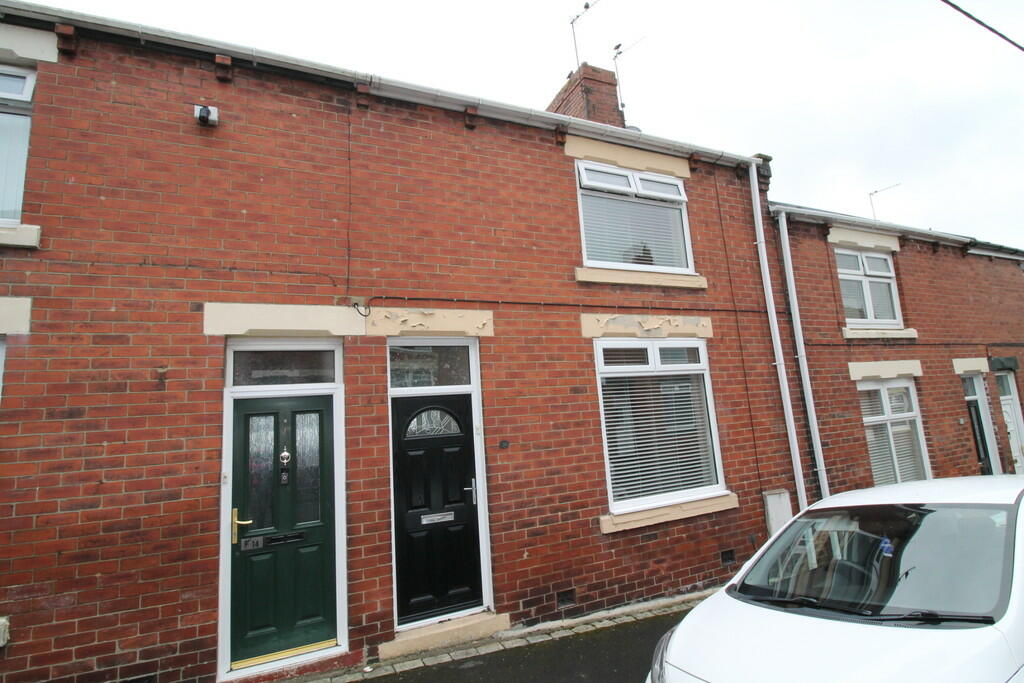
911,582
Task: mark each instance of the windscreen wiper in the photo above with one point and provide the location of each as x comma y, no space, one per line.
931,616
804,601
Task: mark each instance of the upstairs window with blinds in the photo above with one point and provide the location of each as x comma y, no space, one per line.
16,86
658,419
892,425
867,282
633,220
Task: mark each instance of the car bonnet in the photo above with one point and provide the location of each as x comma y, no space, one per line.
725,640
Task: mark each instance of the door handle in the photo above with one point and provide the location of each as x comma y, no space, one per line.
235,522
472,488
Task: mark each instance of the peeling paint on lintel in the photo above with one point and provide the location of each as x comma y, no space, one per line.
397,322
649,326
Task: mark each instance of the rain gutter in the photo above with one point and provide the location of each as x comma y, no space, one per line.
381,87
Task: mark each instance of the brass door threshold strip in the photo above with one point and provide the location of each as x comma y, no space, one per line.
274,656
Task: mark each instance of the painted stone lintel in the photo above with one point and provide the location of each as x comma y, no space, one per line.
24,46
283,320
863,239
426,322
595,325
963,366
626,157
885,369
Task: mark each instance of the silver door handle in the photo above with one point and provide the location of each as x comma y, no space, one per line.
472,488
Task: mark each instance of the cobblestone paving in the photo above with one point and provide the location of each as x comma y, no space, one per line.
510,640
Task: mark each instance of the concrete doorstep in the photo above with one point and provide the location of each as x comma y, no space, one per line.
455,639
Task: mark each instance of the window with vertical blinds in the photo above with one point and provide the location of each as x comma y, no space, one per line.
892,426
633,220
658,422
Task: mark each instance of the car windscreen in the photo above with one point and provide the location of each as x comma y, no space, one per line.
882,561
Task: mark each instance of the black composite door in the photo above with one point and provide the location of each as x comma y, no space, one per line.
282,548
437,543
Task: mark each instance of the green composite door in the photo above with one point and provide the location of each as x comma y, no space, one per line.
282,561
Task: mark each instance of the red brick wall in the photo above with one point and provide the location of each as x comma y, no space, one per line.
962,306
112,415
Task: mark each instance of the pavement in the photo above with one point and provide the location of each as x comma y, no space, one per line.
615,645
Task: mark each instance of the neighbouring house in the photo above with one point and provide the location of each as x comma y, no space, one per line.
299,363
913,339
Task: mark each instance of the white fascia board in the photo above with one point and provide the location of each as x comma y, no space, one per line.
163,37
378,86
997,254
841,219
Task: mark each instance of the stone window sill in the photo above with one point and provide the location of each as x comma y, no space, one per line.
866,333
638,277
20,236
669,513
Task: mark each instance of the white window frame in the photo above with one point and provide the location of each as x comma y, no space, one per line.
864,275
977,384
3,357
30,83
634,193
883,385
18,104
654,367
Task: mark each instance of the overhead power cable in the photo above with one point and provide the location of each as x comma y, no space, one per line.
982,23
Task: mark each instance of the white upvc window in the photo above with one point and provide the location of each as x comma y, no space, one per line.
16,85
892,425
633,220
867,281
658,423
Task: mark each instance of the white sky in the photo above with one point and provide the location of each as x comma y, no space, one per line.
847,96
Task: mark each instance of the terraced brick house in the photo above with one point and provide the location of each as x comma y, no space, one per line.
301,365
913,343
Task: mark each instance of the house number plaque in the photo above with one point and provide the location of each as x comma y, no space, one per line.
254,543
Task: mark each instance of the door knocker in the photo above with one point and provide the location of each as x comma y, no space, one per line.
285,458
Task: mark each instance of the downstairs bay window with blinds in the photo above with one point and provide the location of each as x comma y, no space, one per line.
892,425
658,423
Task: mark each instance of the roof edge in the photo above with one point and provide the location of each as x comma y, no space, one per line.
972,245
379,86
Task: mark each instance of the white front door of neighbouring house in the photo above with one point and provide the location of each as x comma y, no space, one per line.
981,424
1005,381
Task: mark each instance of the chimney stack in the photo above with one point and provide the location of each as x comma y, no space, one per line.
590,93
